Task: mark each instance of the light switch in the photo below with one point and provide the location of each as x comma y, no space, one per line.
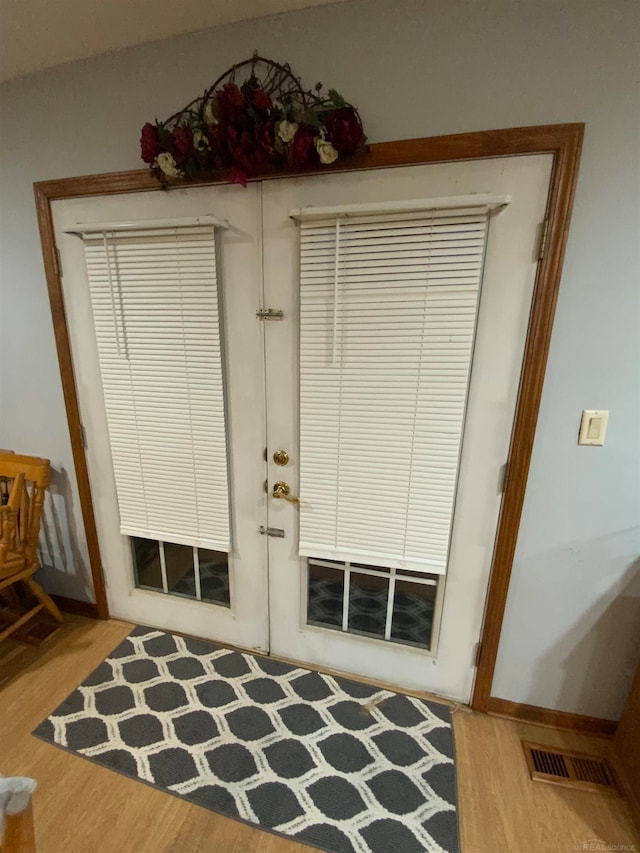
593,427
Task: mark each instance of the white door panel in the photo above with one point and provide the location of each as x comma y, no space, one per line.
245,623
510,268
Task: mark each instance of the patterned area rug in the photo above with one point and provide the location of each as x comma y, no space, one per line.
331,762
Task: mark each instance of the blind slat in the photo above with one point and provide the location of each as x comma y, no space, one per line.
154,295
387,326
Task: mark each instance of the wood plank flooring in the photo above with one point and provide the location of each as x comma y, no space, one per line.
83,808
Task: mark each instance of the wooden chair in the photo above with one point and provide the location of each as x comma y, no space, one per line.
23,482
19,834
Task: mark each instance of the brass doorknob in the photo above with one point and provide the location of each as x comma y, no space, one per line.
281,457
281,492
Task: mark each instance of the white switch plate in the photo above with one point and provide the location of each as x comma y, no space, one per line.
593,427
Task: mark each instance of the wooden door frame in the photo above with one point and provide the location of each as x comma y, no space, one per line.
563,141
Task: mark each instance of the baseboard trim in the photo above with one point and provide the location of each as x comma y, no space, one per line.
628,789
547,717
74,605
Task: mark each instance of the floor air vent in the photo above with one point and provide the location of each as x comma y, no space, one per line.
571,769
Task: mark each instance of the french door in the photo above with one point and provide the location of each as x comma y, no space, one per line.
408,618
416,629
172,584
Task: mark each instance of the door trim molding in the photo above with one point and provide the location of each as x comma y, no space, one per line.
563,141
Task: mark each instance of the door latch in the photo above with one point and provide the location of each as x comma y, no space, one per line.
275,532
270,314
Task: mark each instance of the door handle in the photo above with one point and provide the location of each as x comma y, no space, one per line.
281,492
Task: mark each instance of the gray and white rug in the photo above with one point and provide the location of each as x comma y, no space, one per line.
331,762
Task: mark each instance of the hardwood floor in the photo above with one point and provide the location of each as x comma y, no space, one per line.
83,808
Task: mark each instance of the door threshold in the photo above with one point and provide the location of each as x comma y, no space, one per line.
383,685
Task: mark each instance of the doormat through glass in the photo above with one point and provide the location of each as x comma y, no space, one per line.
334,763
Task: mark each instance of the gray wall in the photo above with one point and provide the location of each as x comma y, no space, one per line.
415,68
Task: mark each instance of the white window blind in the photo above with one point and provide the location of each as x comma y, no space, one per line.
388,313
154,293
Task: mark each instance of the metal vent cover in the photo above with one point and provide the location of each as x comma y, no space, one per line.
571,769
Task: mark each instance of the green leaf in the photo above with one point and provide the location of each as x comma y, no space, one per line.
336,98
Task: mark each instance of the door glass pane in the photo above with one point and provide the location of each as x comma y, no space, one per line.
368,604
182,571
146,562
214,576
181,576
326,589
412,620
412,609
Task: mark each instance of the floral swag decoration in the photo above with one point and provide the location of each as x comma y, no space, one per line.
255,118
